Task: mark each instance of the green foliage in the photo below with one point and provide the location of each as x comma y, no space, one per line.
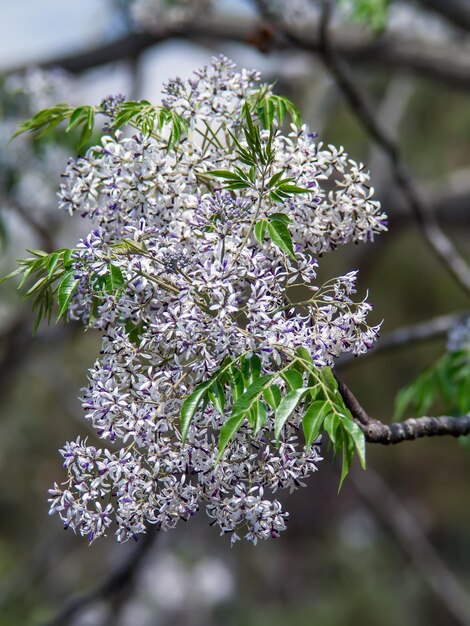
45,121
142,115
271,108
258,156
446,383
242,394
53,281
374,13
147,117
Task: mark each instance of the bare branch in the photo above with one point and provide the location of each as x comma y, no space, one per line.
411,334
376,431
434,236
446,63
440,244
456,12
117,580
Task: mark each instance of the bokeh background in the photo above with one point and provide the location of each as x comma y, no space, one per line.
394,546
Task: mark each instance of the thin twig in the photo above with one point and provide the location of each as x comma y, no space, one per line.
409,335
376,431
444,62
434,236
117,580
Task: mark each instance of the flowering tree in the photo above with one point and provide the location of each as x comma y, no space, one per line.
200,274
218,378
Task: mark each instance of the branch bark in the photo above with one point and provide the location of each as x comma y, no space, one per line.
376,431
446,63
456,12
438,241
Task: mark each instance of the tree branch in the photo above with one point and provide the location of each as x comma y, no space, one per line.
114,583
408,335
456,12
446,63
440,244
376,431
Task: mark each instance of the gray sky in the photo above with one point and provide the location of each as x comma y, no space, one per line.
32,30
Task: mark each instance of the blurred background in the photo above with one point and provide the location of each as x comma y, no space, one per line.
394,546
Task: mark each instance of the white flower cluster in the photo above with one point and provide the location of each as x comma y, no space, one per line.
199,288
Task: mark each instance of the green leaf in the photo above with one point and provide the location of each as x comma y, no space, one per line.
274,179
330,425
272,395
217,396
114,280
246,400
329,379
312,421
285,409
280,217
228,430
75,119
45,120
65,291
358,439
261,415
235,380
347,454
224,174
190,406
255,367
293,378
259,230
281,237
403,400
374,13
289,189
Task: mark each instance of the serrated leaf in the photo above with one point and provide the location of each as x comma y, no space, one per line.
217,396
75,119
261,416
114,280
358,439
280,217
329,379
190,406
259,230
228,430
275,178
281,237
347,454
285,409
312,421
224,174
65,291
235,380
255,367
237,185
330,425
246,400
289,189
272,395
293,378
